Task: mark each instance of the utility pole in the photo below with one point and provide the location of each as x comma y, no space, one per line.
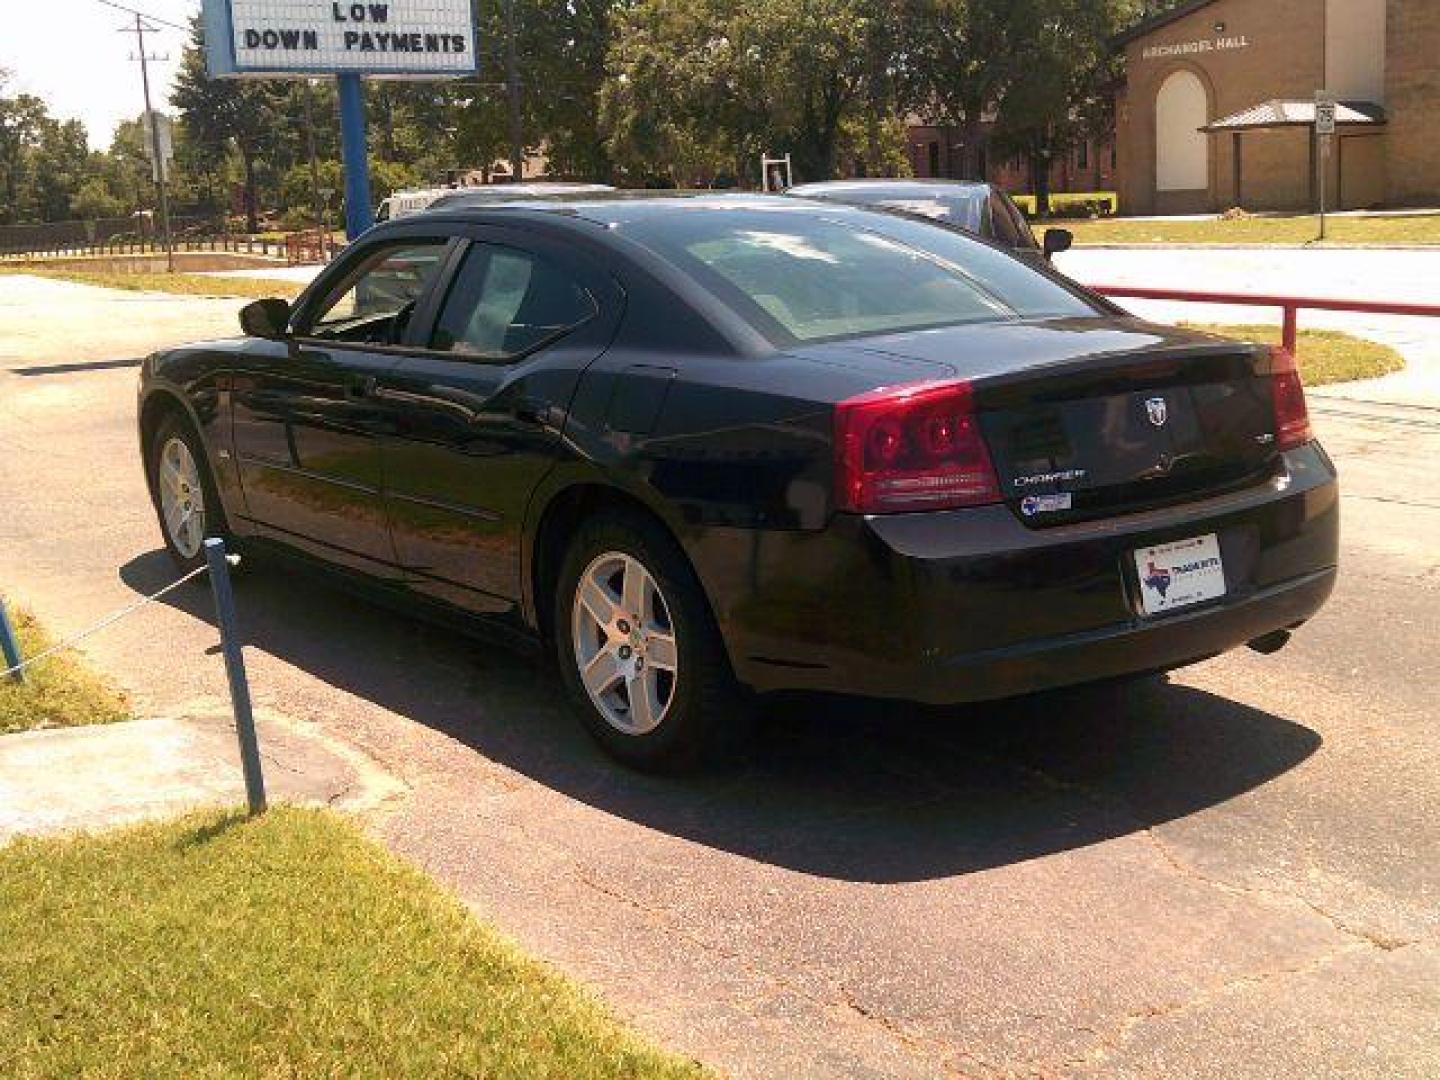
512,86
153,123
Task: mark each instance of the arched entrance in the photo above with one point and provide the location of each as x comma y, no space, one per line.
1182,151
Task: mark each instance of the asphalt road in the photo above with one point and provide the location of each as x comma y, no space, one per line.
1232,872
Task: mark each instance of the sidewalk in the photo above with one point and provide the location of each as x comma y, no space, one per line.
98,777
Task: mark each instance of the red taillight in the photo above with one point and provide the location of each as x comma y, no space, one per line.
914,447
1292,418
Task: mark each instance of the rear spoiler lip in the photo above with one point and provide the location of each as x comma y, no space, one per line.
1110,373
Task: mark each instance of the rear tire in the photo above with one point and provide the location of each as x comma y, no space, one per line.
186,502
639,650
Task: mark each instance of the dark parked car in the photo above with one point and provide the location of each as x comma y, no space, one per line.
980,208
712,445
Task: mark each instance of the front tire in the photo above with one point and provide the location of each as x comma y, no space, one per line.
184,492
639,650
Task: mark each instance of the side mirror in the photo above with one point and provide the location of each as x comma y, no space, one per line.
265,319
1057,240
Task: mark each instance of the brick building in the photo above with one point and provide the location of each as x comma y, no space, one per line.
1217,108
937,151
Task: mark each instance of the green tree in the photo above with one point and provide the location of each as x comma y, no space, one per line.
59,165
221,113
1060,93
962,63
128,169
693,82
1038,69
563,50
23,120
94,200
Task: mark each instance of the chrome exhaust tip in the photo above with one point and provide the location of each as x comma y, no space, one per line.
1269,643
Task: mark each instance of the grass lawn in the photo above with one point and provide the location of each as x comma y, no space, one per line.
183,284
58,692
1326,356
1399,229
284,946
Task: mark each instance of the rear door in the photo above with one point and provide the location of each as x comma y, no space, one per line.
481,406
307,424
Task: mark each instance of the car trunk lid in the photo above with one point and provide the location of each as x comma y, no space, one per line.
1085,418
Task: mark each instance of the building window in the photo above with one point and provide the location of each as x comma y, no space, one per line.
1082,154
934,159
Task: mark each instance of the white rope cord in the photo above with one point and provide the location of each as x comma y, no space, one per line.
109,620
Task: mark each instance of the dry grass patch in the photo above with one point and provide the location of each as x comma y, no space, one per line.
284,946
57,692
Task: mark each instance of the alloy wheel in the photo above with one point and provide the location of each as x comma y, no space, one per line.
182,497
624,643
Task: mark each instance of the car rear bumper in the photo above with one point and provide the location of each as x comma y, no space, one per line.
973,604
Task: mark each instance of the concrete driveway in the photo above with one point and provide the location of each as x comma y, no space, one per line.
1232,872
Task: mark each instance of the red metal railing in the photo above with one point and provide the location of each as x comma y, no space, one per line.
1289,305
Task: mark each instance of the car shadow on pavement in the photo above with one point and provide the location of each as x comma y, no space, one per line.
854,790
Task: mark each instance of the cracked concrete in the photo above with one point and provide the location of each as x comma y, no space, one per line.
1229,873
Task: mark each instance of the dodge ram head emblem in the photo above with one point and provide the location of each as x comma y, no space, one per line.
1156,409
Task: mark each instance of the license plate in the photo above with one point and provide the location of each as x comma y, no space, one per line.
1180,574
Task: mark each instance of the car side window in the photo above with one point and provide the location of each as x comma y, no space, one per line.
374,302
505,302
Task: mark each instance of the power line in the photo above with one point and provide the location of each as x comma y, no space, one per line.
143,15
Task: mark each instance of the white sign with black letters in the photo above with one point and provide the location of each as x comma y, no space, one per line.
319,37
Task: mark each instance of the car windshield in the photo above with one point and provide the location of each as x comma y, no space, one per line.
803,275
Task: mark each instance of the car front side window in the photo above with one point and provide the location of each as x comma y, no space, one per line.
374,302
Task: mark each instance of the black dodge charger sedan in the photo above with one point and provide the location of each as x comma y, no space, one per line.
709,446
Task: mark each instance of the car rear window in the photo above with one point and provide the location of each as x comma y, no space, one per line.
964,209
804,276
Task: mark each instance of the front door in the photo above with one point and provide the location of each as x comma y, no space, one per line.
480,412
307,423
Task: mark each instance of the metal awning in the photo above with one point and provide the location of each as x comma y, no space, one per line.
1278,113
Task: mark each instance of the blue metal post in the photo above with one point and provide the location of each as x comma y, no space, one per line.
10,644
235,670
358,214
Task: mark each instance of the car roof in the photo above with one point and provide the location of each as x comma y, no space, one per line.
619,208
491,193
873,184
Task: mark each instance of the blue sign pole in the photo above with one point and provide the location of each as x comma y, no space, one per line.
10,645
235,672
358,213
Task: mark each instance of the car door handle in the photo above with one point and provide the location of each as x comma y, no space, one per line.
360,386
531,411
